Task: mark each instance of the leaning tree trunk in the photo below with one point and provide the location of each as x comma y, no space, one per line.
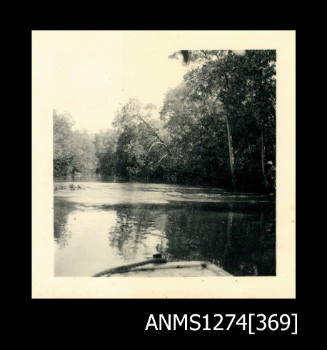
231,152
263,159
230,143
155,134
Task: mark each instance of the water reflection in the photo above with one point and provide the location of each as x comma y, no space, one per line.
61,231
136,229
238,237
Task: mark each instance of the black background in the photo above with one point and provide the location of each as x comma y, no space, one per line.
103,319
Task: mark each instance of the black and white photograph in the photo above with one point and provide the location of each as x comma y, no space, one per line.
162,159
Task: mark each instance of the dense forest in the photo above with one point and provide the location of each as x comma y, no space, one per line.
216,128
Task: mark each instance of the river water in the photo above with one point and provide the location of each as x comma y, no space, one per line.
106,224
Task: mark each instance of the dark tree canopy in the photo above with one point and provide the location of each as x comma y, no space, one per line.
216,128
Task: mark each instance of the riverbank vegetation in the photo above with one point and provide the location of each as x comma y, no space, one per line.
216,128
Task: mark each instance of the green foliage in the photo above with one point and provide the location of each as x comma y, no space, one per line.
73,151
84,158
62,148
216,128
140,144
105,150
243,86
197,137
